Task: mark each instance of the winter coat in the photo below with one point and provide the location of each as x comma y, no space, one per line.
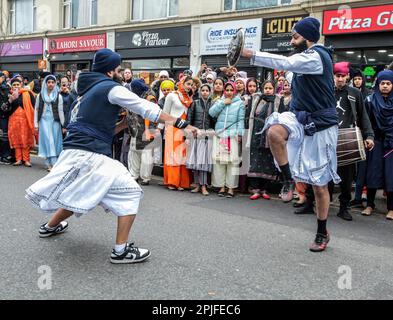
230,118
198,114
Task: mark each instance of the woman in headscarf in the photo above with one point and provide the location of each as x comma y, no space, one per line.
251,90
48,121
380,160
199,155
262,167
176,175
229,112
241,87
21,122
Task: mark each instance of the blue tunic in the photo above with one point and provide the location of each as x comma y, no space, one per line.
50,135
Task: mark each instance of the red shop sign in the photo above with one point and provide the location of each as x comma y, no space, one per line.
77,44
367,19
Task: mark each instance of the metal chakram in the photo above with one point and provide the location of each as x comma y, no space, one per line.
236,47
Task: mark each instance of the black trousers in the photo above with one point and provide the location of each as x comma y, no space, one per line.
347,175
371,194
258,184
5,150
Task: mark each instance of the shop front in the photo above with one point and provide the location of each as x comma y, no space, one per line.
276,38
74,53
149,51
21,57
215,39
361,36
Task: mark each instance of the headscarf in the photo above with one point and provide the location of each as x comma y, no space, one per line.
167,84
184,97
230,83
244,81
48,99
383,108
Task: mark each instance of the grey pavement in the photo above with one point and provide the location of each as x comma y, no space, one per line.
202,248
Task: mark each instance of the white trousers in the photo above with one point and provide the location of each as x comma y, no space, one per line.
141,163
225,175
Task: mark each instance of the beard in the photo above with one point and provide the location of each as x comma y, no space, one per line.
118,79
299,48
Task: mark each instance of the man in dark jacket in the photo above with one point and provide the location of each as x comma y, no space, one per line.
351,112
5,150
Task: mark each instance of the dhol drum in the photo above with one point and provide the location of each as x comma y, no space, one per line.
350,147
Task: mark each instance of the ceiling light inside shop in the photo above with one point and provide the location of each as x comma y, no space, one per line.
359,56
382,51
371,59
390,55
350,52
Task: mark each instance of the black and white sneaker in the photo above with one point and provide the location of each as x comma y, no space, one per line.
131,254
46,232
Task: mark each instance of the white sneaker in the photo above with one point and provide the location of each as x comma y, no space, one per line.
131,254
45,232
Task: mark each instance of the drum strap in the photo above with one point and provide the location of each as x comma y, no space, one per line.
352,101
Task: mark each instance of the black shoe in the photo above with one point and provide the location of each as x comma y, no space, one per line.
230,195
45,232
320,243
356,203
345,215
222,194
308,208
131,254
144,183
299,205
5,161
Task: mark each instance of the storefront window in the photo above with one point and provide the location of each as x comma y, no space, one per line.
370,61
147,64
149,69
181,63
230,5
60,69
154,9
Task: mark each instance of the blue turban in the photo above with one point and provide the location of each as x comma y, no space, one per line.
105,60
385,75
308,28
139,87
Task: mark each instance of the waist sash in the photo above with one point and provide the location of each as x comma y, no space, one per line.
318,120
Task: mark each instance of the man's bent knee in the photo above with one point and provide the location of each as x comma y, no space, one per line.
277,134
